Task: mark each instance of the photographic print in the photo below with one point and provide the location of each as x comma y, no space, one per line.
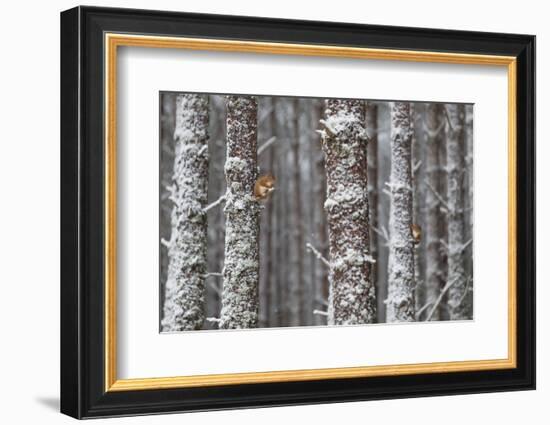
288,211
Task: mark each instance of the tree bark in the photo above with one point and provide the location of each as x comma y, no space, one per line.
352,298
400,304
433,229
459,301
242,211
185,290
372,177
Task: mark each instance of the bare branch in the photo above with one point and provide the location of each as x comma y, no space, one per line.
322,301
319,256
465,245
438,196
381,234
266,144
419,312
220,200
439,299
416,167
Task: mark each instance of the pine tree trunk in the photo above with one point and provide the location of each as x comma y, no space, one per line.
458,297
372,172
434,225
297,283
185,290
400,303
242,212
320,221
352,298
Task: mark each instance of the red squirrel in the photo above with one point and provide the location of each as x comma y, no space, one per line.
264,186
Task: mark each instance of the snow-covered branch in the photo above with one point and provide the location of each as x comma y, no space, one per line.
266,144
214,204
320,312
317,254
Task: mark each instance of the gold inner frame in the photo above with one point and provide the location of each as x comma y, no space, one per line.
113,41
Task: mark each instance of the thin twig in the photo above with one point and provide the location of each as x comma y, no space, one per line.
266,144
438,196
439,299
419,312
220,200
322,301
319,256
380,233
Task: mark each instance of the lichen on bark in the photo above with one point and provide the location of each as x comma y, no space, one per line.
242,213
400,303
352,297
184,290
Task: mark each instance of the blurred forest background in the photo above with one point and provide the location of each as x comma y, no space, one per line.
294,255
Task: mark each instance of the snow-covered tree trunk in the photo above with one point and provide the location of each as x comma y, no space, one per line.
352,298
433,235
185,289
400,303
458,297
242,213
372,173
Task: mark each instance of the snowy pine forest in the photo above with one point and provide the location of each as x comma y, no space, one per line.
280,211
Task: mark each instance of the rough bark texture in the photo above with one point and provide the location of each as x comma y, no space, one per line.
459,301
372,173
185,290
400,304
434,225
242,211
352,294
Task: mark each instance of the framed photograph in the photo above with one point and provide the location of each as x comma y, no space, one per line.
261,212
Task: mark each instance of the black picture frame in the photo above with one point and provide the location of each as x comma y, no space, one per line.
83,392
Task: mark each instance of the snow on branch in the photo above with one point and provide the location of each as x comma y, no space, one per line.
214,204
212,274
320,312
317,254
165,242
328,128
267,144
